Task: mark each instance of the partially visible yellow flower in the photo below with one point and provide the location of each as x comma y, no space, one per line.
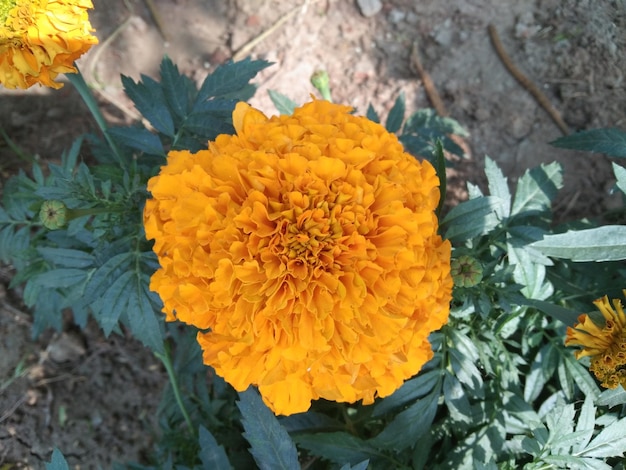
40,39
306,246
606,345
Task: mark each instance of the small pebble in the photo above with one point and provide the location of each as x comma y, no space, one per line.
369,7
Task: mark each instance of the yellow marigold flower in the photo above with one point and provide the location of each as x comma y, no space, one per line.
307,247
39,39
605,345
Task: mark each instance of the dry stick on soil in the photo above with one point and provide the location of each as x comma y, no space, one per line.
429,86
542,99
157,18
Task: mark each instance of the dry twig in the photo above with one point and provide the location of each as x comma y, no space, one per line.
523,80
428,83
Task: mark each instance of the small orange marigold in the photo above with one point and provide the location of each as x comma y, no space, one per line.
306,247
40,39
605,344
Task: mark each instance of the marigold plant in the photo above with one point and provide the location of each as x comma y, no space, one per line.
40,39
606,344
306,248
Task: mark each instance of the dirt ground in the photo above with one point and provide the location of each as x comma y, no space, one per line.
95,398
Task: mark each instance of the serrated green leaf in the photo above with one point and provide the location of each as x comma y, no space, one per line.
409,391
212,455
536,189
13,242
585,424
612,397
106,274
606,243
611,141
456,399
581,376
620,176
359,466
562,314
284,104
409,425
57,462
611,442
498,187
115,302
338,447
176,88
230,78
471,218
541,371
271,446
207,125
66,257
142,315
440,167
61,278
138,138
531,276
150,102
396,115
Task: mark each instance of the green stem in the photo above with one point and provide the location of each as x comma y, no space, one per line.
81,86
169,367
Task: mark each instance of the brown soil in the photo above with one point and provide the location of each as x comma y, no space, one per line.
95,398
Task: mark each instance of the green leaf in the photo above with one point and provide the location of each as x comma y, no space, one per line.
620,176
58,462
230,78
409,391
212,455
176,88
371,114
409,425
606,243
150,102
536,189
612,397
498,187
611,442
456,399
338,447
271,446
440,167
610,141
283,104
60,278
472,218
138,138
585,424
562,314
142,313
359,466
581,376
66,257
396,115
541,371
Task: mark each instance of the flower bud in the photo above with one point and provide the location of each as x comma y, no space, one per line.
466,271
321,81
53,214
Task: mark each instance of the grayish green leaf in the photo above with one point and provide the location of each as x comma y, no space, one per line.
472,218
498,187
359,466
284,104
396,115
230,78
612,397
620,176
61,278
536,189
212,455
271,446
606,243
456,399
58,462
66,257
138,138
611,141
150,102
585,424
409,391
611,442
541,370
338,447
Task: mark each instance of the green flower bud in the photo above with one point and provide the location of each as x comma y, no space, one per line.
53,214
321,81
466,271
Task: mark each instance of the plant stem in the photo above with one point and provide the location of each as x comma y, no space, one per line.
81,86
167,362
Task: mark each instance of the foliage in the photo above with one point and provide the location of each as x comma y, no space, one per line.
502,390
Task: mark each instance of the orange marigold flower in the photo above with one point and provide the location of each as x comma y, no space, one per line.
39,39
606,344
307,247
